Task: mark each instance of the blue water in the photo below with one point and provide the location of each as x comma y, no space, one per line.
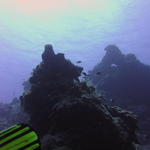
84,39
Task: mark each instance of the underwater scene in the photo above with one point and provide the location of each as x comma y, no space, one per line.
74,75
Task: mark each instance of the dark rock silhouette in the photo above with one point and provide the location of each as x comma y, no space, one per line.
48,54
127,80
68,114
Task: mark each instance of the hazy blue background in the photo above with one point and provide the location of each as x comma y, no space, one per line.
81,30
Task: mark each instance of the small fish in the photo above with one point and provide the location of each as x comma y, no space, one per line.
112,100
114,65
98,73
84,73
79,62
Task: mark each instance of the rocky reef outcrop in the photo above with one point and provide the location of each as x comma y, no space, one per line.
125,81
11,114
69,115
122,76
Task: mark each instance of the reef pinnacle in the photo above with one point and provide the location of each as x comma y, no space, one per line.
48,53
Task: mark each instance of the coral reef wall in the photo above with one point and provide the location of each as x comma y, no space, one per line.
125,81
68,114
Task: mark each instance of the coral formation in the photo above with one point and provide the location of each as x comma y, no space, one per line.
68,114
125,81
11,114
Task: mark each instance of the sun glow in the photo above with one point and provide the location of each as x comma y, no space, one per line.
31,7
44,20
35,6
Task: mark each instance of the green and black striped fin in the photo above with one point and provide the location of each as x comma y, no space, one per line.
19,137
